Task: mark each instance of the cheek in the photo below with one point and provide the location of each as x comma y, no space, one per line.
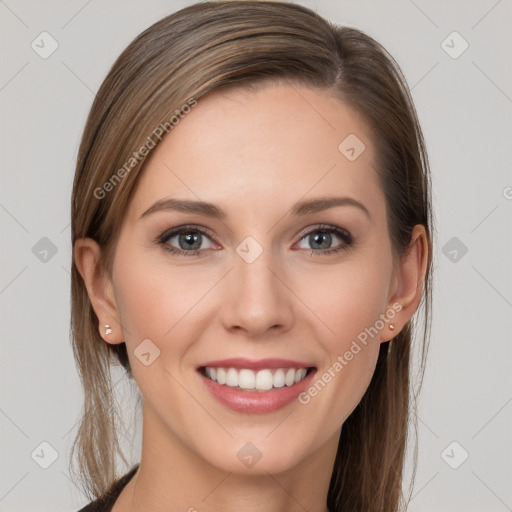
153,302
157,305
346,298
168,305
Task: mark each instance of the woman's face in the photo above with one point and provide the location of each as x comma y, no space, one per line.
265,278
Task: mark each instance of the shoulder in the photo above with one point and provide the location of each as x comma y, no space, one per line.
105,502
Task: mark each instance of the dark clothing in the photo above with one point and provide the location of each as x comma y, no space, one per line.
106,502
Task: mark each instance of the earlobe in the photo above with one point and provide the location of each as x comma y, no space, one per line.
409,283
86,254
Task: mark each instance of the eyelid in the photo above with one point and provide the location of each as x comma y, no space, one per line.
322,227
186,227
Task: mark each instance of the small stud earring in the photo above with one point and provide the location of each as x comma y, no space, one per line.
391,327
108,330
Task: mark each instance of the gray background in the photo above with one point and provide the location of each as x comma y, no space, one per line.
464,105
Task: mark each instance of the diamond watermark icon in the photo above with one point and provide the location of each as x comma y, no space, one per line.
249,454
351,147
44,250
146,352
44,45
454,45
454,249
249,249
454,455
44,455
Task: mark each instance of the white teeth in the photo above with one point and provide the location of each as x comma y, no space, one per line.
246,379
279,378
300,374
221,375
232,378
263,380
290,377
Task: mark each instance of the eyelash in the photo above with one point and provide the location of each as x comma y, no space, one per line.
344,235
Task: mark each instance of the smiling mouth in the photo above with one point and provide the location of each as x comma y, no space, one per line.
245,379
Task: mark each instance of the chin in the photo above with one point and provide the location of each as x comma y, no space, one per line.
245,457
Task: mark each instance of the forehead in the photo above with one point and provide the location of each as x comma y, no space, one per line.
254,149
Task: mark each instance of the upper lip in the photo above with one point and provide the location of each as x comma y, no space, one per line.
254,364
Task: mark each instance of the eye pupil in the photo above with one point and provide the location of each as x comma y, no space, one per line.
326,236
190,238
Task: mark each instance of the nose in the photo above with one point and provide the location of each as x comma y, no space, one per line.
258,300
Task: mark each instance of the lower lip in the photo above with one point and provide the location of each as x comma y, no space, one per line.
256,402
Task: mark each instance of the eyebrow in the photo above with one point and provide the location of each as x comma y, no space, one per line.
300,208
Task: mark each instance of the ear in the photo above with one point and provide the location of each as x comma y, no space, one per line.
408,282
86,253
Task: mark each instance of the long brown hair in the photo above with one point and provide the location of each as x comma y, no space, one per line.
202,48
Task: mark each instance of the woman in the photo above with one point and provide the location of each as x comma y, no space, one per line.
252,233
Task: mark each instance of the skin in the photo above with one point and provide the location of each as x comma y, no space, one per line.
253,154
